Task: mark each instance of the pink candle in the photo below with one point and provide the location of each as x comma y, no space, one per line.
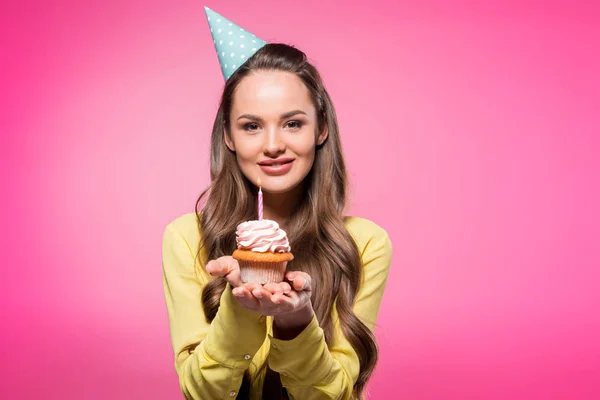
260,200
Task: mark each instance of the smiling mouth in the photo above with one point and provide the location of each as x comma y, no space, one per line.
275,163
276,167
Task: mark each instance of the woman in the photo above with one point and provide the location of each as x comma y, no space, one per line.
309,337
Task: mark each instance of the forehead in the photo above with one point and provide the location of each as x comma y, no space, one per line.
270,93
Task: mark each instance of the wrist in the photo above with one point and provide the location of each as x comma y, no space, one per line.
288,326
240,315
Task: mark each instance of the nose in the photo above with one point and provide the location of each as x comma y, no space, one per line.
274,144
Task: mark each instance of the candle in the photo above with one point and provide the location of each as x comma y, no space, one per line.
260,200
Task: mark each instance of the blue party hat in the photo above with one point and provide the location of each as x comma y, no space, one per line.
234,44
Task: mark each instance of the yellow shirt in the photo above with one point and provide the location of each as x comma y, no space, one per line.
239,339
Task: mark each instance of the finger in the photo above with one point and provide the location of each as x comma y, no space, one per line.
283,300
300,281
234,278
230,269
239,291
222,266
251,286
226,263
291,275
261,293
266,302
307,282
270,287
278,303
213,267
285,287
245,297
293,297
273,288
296,299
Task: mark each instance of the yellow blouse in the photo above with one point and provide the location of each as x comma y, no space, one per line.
238,339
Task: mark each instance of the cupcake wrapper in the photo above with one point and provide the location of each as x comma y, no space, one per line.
262,272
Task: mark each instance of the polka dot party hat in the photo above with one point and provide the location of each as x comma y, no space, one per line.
234,44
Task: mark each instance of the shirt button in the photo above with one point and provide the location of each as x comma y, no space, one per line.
231,394
262,318
247,357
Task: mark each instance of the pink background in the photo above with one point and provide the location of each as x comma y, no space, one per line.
472,136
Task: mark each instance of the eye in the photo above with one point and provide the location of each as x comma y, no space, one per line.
294,125
251,127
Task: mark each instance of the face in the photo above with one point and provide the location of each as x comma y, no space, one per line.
274,130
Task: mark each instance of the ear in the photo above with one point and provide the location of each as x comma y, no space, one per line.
322,136
228,141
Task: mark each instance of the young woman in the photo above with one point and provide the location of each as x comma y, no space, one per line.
309,337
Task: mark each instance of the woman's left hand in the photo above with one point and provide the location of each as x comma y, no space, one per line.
282,299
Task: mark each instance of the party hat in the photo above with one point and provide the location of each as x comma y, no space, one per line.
233,43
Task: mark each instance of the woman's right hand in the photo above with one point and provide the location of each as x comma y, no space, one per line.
228,268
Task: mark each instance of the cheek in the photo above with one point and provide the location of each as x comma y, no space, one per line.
303,146
305,152
247,147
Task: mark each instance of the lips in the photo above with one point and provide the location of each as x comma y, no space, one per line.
277,166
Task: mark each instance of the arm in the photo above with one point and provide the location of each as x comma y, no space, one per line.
214,368
311,370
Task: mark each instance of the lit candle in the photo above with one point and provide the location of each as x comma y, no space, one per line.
260,200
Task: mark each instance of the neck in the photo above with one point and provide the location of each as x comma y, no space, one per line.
279,207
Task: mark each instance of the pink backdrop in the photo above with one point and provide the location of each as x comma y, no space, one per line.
471,133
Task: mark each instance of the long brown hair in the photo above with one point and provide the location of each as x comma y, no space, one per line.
321,244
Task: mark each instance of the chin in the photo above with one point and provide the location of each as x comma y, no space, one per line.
279,187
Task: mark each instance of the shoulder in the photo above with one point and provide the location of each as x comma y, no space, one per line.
373,242
365,232
184,228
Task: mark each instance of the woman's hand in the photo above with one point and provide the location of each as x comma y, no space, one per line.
277,299
288,325
228,268
288,303
283,298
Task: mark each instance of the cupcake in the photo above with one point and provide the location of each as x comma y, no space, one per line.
263,251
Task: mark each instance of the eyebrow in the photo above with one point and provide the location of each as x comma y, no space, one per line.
282,117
